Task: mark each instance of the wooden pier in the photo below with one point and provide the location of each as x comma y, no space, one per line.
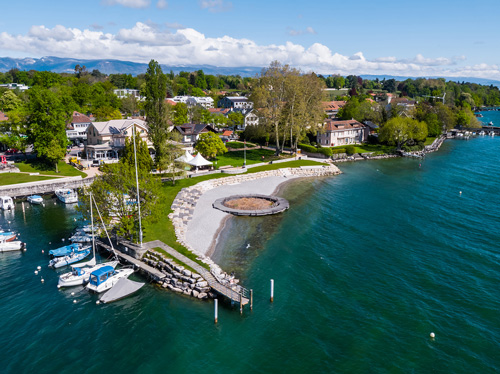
241,297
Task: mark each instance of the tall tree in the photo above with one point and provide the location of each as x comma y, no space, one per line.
210,145
155,107
402,130
47,124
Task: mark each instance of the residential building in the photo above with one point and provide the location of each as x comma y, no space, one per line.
122,93
190,132
15,86
331,108
76,130
3,117
106,139
235,102
251,119
205,101
337,133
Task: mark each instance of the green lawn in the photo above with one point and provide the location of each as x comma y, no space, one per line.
13,178
254,156
36,166
163,229
429,140
239,145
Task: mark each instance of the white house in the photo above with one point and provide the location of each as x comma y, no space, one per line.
106,139
15,86
204,101
235,102
76,131
342,133
128,92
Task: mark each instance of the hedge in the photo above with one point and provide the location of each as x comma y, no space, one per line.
309,148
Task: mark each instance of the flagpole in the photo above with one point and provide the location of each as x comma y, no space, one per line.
245,153
137,185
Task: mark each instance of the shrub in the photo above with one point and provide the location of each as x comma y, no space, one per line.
325,151
308,148
338,150
350,150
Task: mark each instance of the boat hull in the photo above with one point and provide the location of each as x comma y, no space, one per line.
70,280
12,246
111,281
59,262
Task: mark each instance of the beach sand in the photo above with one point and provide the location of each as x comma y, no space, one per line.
207,222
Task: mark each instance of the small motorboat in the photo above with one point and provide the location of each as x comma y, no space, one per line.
73,257
80,275
81,237
6,203
12,246
67,195
106,277
67,249
7,236
35,199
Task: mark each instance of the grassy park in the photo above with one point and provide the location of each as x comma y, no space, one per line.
253,156
37,166
14,178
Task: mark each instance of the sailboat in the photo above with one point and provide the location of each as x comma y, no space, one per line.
81,272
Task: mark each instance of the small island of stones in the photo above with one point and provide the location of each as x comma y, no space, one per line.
251,205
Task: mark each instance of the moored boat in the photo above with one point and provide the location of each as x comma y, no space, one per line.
7,236
6,203
35,199
80,275
106,277
67,249
12,246
67,195
73,257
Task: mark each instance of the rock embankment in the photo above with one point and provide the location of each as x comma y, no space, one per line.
177,277
185,201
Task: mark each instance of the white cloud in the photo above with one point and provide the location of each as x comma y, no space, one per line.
129,3
308,30
162,4
174,46
216,6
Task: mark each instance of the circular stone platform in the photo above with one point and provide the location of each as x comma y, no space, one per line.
276,205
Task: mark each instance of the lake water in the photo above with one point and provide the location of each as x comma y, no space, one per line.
366,265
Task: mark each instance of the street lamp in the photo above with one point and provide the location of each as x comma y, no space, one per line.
244,154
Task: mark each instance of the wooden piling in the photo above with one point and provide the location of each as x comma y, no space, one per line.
216,302
272,290
241,304
251,299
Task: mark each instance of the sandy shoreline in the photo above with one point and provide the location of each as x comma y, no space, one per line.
204,228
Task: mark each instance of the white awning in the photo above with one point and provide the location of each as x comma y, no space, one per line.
198,160
186,157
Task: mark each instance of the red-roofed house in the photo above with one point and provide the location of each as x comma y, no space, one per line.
76,130
331,108
3,117
342,133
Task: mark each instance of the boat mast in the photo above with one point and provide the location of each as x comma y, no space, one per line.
137,185
92,224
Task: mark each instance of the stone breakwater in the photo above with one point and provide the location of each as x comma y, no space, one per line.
177,277
185,201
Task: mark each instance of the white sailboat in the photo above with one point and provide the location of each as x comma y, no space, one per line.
81,272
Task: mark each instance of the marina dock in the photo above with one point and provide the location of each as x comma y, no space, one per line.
241,297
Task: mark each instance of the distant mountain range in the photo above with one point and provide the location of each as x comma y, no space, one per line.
67,65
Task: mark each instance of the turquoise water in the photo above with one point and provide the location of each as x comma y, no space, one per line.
366,265
490,116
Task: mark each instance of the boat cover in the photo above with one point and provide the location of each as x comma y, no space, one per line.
66,250
121,289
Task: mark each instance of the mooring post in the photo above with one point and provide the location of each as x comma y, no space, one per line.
215,309
272,290
23,206
241,304
251,299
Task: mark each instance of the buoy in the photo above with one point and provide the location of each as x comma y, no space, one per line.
43,251
74,301
63,239
460,192
432,335
74,219
50,242
38,268
42,280
58,286
36,272
72,294
97,302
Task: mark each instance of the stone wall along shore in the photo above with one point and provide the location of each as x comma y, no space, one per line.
185,201
177,278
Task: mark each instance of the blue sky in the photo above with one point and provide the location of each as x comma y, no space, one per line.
423,38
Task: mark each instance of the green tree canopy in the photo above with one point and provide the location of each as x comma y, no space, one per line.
403,130
144,160
9,101
180,114
210,145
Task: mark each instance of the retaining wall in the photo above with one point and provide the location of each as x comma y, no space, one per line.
44,187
